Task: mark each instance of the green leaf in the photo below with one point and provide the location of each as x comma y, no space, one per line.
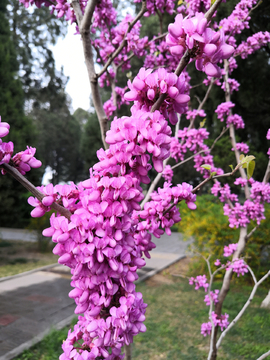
213,173
231,166
206,167
202,123
249,158
250,169
242,157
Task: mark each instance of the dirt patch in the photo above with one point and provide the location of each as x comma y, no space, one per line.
158,279
180,268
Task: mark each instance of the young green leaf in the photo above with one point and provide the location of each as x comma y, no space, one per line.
250,169
206,167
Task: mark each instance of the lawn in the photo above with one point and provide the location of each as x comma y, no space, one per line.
20,256
174,316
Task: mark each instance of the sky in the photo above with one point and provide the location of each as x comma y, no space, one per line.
68,52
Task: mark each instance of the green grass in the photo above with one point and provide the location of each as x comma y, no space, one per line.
20,256
20,265
173,319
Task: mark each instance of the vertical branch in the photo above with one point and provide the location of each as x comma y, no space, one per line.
84,22
232,131
128,352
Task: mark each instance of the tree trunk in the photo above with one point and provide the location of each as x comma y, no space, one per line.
266,302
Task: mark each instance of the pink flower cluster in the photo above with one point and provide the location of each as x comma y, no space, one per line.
133,137
240,181
213,296
154,6
221,321
107,235
190,140
147,87
223,110
204,44
192,114
238,266
167,173
199,281
238,19
22,161
252,44
233,85
252,209
158,212
242,147
110,39
4,128
230,249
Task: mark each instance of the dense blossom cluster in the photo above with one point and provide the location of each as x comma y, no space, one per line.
204,44
252,209
238,19
238,266
223,110
252,44
233,85
107,235
147,86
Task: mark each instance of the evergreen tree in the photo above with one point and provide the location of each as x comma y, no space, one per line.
14,210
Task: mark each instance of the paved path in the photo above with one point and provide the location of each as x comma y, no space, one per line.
33,303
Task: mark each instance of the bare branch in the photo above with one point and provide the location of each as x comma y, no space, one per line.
206,95
78,11
124,41
264,356
231,127
212,9
252,231
88,14
257,283
84,26
267,173
30,187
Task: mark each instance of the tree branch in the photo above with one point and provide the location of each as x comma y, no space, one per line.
78,11
84,27
30,187
124,41
257,283
264,356
212,9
